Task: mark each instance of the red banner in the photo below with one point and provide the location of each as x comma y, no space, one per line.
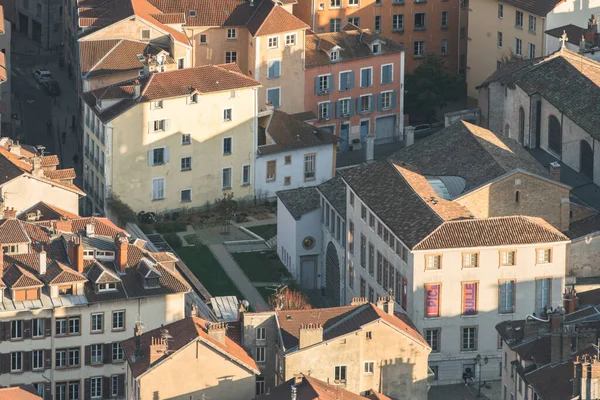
470,298
432,299
404,293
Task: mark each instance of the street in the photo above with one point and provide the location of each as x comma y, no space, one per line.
35,108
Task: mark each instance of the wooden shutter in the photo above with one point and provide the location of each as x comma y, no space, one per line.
151,157
393,99
27,328
107,353
5,363
48,326
379,102
166,155
2,331
47,391
106,387
351,107
121,388
317,85
338,109
87,354
331,83
167,124
87,389
26,361
48,359
7,330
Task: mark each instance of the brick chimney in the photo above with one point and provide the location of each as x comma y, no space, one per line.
554,169
90,229
560,340
570,301
10,213
37,169
217,330
122,244
358,301
1,261
386,304
75,253
158,348
310,334
586,378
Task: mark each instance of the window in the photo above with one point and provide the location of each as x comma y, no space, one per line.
61,326
469,338
74,326
506,297
290,39
194,98
118,320
372,221
419,21
500,39
60,358
97,322
433,294
469,298
531,51
260,385
432,336
544,256
323,84
309,166
340,374
554,135
261,334
74,357
444,48
117,352
335,24
73,390
192,13
287,160
352,3
96,353
377,23
335,3
16,361
371,259
271,170
261,353
365,104
145,34
230,57
16,329
37,327
387,73
519,19
186,163
344,108
273,42
419,48
287,180
227,145
500,11
159,125
386,100
274,69
470,260
158,189
185,195
186,139
444,19
351,237
158,156
366,77
334,55
363,212
507,258
323,109
433,261
245,175
354,21
114,385
231,34
376,48
532,23
397,22
203,39
96,387
274,97
369,367
158,104
37,359
351,275
363,251
363,287
226,178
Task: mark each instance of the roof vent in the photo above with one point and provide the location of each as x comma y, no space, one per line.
192,13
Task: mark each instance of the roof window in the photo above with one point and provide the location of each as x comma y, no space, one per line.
192,13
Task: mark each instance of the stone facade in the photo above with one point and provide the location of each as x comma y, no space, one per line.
41,21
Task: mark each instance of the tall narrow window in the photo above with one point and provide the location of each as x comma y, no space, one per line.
506,297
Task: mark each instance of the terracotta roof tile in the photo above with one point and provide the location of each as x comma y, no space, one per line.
22,392
185,331
58,273
60,174
92,51
17,277
270,19
172,18
309,389
11,231
209,12
49,161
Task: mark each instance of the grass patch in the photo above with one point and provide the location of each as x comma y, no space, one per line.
207,269
264,231
262,267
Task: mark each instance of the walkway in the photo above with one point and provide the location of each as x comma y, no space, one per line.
238,277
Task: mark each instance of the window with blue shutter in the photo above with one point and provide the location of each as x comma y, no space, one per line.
346,80
386,74
330,85
393,100
274,69
338,109
274,97
380,102
330,111
317,81
365,77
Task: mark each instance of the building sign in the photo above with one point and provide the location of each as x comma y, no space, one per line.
469,295
432,299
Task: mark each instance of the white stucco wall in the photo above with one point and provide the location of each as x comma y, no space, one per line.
576,12
24,192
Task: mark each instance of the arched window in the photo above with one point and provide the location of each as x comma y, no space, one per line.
521,125
554,135
586,159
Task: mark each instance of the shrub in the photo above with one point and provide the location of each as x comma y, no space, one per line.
146,228
289,299
123,212
170,226
173,239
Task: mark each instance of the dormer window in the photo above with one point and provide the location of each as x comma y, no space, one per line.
334,55
12,249
105,255
65,290
194,98
192,13
105,287
88,254
376,47
151,283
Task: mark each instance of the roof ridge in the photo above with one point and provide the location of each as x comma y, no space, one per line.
119,41
357,311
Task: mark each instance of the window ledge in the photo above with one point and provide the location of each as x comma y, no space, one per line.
183,202
185,170
158,199
469,315
226,188
398,30
421,29
245,184
418,57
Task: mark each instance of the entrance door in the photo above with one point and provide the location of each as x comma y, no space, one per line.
384,129
345,136
364,130
308,273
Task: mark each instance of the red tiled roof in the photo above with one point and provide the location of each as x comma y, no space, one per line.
68,173
12,232
309,389
58,273
185,331
170,18
23,392
17,277
269,19
49,161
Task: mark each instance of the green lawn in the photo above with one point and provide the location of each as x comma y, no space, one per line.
207,269
264,231
262,267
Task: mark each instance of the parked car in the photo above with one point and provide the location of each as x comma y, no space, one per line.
422,131
52,88
42,75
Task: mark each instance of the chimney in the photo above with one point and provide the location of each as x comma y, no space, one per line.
137,333
370,148
1,261
15,148
358,301
43,262
122,244
386,304
90,229
570,301
560,341
137,88
310,334
158,348
298,378
582,44
554,169
37,170
10,213
293,393
75,253
409,136
217,330
586,378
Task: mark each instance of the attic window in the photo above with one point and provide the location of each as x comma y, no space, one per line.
105,287
376,48
150,283
88,254
334,55
145,35
140,57
192,13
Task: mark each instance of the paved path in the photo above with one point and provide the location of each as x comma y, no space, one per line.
238,277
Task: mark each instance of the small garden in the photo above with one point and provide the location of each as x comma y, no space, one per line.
264,231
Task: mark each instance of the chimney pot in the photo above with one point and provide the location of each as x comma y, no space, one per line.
122,245
37,169
75,253
158,348
409,136
137,88
43,262
90,229
370,148
217,331
10,213
310,334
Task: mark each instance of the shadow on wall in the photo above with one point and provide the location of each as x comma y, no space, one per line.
226,389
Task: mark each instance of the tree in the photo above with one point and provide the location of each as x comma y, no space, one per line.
227,207
289,299
429,87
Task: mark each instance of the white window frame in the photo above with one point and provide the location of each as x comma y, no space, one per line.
340,381
244,183
422,53
94,322
531,46
186,142
157,105
261,354
326,89
164,161
314,167
361,76
334,55
370,96
335,7
231,145
230,109
261,334
381,72
444,47
16,363
223,187
180,195
37,360
116,327
518,47
163,194
205,38
164,125
270,178
291,39
340,79
117,351
372,369
96,387
142,34
389,107
231,34
327,117
348,100
534,19
353,3
96,356
276,41
39,324
231,53
269,68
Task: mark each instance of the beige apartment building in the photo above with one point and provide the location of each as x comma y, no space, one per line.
171,139
188,359
499,30
359,348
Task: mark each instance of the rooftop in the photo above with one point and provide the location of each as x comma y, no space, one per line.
334,190
22,392
537,7
299,201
